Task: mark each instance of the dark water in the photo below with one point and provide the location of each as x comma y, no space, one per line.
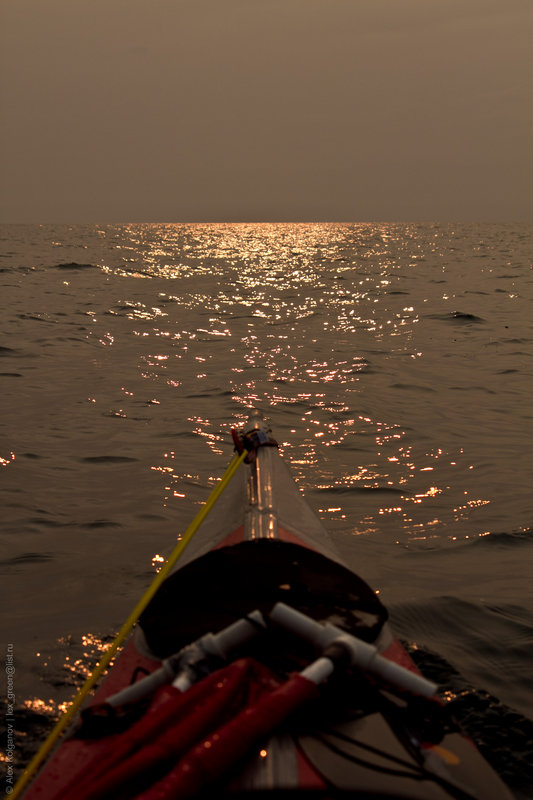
395,362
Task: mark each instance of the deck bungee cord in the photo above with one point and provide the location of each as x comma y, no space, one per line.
62,724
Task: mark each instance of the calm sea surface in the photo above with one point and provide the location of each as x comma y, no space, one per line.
396,365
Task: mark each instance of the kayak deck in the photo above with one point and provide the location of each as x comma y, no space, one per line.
262,551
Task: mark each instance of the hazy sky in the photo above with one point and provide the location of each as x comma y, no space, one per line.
190,110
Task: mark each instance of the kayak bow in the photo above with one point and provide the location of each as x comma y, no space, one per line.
261,663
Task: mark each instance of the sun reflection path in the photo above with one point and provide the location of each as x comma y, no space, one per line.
265,269
289,317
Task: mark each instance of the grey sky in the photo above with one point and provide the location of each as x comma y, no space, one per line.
184,110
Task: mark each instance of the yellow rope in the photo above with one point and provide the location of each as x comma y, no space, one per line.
66,719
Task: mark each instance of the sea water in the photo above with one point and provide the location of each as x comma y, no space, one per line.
395,362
